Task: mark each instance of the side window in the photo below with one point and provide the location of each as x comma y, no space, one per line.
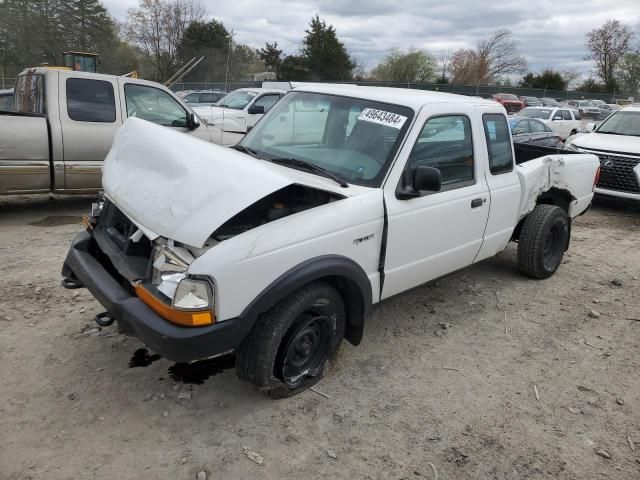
498,143
446,143
267,101
566,115
154,105
192,98
537,127
90,100
522,127
576,114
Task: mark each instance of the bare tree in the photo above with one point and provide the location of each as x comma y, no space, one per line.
606,46
496,56
570,76
464,67
157,27
444,65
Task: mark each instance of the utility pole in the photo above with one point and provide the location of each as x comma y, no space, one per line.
226,76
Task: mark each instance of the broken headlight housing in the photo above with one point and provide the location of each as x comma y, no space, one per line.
193,294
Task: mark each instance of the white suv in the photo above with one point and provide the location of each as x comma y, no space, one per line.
563,121
617,143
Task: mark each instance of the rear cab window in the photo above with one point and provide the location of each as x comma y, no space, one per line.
29,94
90,100
498,140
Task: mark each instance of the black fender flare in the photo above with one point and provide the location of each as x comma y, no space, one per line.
341,272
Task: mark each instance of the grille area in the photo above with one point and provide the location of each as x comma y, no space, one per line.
616,173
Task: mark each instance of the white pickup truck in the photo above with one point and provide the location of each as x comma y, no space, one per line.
63,123
339,198
236,113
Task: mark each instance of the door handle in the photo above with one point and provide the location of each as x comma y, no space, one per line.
477,202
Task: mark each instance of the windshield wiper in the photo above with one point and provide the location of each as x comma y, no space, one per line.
294,162
247,150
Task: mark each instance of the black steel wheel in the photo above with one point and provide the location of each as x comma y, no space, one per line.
289,347
306,349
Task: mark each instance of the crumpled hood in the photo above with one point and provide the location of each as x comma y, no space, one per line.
176,186
611,143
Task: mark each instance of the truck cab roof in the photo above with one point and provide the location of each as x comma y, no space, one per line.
414,99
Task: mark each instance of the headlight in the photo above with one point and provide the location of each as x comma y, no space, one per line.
193,294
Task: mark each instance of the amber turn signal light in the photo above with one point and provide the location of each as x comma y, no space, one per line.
198,318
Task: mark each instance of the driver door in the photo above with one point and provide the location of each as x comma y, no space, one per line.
437,232
157,106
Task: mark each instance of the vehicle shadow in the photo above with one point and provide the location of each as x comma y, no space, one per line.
28,208
617,205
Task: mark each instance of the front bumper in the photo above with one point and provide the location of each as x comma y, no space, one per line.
180,344
617,194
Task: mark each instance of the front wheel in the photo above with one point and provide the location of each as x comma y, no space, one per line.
543,240
289,347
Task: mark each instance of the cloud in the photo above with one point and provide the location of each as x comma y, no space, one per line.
550,34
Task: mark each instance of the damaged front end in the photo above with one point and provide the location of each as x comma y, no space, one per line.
155,271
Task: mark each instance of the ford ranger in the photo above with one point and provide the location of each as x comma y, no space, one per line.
339,198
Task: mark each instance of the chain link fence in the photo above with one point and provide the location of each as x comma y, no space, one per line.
473,90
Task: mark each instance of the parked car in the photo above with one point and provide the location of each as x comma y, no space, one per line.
563,121
550,102
6,100
239,111
586,108
279,249
63,124
200,98
616,141
607,109
534,132
509,101
531,101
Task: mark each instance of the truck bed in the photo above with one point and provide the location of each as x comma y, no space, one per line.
525,152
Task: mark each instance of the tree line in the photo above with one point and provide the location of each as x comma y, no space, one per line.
159,36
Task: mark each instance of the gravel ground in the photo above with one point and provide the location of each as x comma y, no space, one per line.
436,385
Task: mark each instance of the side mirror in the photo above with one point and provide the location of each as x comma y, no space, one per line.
193,121
427,178
518,131
256,110
557,118
589,127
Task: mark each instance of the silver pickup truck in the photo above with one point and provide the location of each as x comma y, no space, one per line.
63,124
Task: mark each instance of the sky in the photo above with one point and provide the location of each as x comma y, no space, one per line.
550,33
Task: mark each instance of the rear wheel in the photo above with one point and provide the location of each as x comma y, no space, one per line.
543,240
289,348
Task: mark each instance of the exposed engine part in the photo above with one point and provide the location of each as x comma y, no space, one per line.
282,203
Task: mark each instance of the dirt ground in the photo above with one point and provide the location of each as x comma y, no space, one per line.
436,385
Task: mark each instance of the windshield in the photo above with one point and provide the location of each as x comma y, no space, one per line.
237,100
542,113
352,138
622,123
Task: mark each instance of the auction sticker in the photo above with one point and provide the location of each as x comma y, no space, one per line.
388,119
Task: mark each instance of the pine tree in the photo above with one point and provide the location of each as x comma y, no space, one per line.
326,56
